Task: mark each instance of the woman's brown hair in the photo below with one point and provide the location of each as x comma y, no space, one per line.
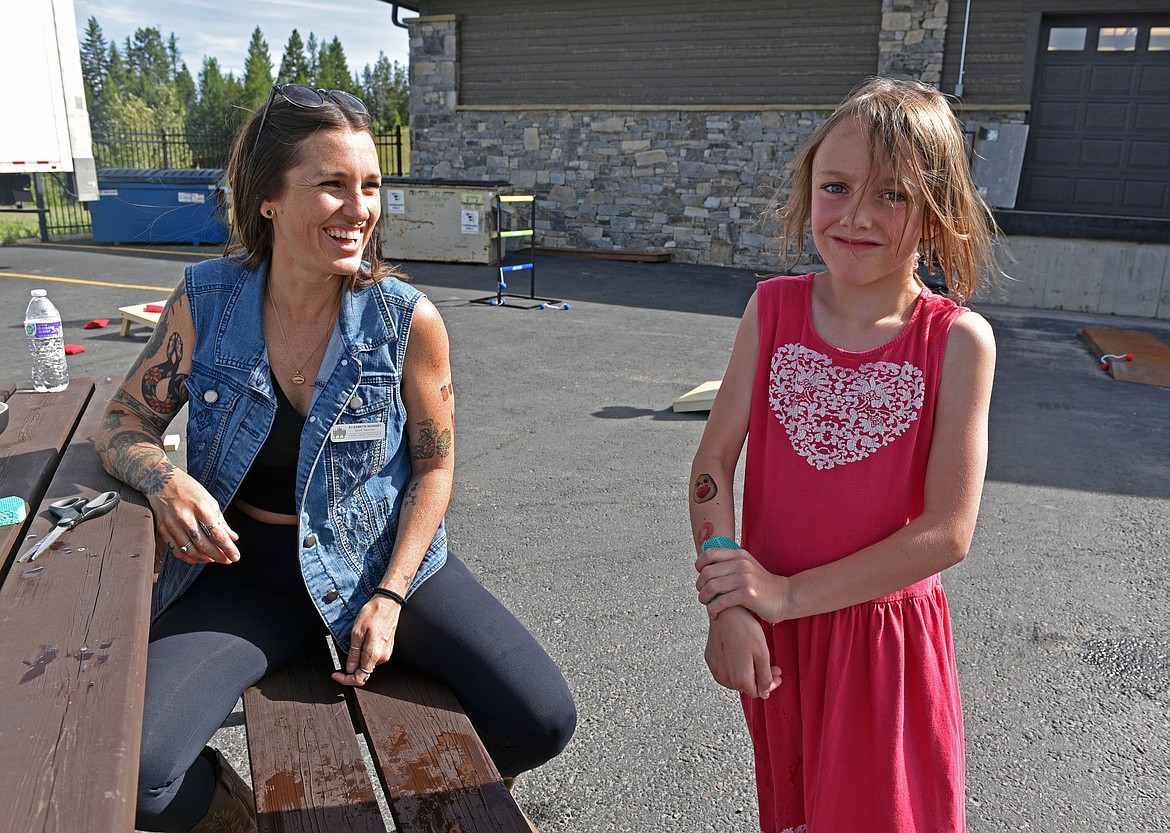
256,172
911,126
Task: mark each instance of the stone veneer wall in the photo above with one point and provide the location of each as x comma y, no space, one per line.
649,179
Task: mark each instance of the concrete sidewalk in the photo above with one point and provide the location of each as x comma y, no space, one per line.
570,504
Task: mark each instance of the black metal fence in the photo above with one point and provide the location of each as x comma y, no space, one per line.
63,215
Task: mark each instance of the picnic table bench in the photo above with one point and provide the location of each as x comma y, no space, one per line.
74,629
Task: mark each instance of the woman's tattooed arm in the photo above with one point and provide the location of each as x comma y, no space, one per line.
130,441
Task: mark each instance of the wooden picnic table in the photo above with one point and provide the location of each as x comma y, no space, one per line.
74,625
73,636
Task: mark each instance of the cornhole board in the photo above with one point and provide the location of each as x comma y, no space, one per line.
1151,356
137,314
700,398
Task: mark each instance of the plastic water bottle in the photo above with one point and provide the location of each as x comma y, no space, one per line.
42,325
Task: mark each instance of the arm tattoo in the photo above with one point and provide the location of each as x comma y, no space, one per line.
706,531
447,391
136,458
704,489
178,300
431,441
175,395
411,497
157,478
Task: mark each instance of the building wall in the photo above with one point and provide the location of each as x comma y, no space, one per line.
657,175
662,52
660,167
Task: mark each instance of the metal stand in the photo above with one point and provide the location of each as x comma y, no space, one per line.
521,260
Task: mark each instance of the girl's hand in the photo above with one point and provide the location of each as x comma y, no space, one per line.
371,641
737,654
733,578
190,521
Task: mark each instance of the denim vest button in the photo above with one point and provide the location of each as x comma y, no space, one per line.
310,541
331,596
356,402
211,397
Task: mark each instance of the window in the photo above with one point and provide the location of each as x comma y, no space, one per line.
1159,39
1067,39
1117,39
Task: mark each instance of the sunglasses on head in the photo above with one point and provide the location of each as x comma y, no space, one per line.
309,99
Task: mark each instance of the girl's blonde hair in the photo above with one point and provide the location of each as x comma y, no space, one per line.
911,126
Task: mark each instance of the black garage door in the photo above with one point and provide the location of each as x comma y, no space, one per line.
1099,141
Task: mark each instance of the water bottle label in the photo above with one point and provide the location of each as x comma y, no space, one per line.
42,329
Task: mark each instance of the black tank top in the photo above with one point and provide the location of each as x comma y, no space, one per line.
271,482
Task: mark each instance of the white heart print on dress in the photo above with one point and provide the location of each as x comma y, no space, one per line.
836,415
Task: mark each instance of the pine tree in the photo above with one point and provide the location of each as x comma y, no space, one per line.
333,71
385,91
149,65
294,66
314,60
257,72
94,62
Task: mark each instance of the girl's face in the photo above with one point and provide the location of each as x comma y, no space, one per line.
864,223
327,211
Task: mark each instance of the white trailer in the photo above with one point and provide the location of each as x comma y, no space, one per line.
44,123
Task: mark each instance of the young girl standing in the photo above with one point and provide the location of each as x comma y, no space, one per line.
865,399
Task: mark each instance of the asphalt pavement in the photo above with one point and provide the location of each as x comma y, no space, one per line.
570,505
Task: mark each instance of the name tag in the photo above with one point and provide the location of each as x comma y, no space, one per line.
358,432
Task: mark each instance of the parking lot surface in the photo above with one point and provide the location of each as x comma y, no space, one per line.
570,504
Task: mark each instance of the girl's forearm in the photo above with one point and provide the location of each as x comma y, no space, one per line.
711,501
920,549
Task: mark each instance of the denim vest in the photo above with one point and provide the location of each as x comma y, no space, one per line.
349,493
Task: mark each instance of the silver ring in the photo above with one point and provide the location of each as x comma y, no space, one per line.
183,549
366,671
207,527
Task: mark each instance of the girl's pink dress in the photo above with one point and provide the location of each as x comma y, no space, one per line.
866,730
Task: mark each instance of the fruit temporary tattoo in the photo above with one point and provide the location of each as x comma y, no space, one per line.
705,531
704,488
447,391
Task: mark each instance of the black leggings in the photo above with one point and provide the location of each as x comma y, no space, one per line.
238,622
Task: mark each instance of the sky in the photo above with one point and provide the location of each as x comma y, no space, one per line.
223,28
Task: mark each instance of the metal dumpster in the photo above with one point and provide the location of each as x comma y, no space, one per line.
160,205
446,220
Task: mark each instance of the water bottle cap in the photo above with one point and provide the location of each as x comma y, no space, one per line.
39,293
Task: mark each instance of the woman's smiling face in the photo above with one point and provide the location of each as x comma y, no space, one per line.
324,216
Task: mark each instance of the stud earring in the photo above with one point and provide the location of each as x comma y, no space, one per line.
268,214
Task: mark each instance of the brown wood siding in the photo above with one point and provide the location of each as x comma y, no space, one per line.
662,52
1000,55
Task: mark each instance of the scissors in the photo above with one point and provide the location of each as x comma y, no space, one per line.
72,511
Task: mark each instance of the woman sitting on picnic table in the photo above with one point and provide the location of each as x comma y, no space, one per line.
320,457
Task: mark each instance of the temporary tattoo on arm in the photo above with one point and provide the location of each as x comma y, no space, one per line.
443,443
704,489
447,391
170,402
705,531
431,442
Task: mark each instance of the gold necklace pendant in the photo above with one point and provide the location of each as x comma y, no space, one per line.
298,378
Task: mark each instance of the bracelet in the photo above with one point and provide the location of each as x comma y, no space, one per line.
719,542
390,594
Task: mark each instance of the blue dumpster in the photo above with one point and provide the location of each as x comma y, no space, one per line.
160,205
